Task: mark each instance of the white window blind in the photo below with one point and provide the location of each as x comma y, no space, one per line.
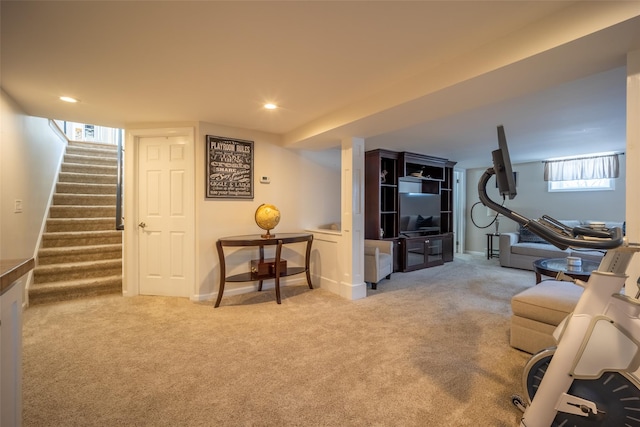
596,167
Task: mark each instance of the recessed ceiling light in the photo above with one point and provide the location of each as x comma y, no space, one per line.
270,106
68,99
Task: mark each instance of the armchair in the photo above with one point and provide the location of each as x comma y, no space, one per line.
378,261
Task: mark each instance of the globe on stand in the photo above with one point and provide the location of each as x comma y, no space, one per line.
267,217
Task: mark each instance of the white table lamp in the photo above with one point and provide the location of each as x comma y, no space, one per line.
492,213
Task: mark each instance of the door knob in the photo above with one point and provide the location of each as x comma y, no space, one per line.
142,225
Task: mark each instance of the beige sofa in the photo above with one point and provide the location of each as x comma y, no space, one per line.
520,249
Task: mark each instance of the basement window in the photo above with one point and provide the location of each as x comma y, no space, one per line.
603,184
592,173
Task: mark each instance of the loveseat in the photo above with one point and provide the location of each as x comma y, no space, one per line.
520,249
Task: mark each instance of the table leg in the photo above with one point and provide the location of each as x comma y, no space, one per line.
261,249
538,277
306,262
489,246
277,278
222,272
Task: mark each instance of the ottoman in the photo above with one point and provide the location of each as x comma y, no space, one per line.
538,310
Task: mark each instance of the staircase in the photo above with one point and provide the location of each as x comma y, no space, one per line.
81,250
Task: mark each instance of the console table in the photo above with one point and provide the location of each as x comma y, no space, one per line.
278,240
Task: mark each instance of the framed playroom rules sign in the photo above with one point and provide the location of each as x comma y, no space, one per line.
229,168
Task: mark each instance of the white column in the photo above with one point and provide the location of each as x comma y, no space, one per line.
633,163
351,263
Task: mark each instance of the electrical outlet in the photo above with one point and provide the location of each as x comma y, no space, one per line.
17,206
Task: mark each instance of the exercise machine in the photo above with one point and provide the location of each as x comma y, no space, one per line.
590,378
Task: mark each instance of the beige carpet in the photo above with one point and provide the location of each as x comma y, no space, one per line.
428,348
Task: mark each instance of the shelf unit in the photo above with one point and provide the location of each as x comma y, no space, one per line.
381,194
446,199
386,172
419,166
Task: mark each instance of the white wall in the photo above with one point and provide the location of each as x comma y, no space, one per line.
30,155
633,158
306,192
533,201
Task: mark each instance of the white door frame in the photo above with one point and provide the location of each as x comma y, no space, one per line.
131,247
459,209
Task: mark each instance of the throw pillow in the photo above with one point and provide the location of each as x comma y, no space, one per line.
527,236
424,222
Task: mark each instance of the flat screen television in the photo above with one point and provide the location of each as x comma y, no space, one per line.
502,167
419,213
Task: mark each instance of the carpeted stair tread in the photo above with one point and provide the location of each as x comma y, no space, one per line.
86,265
93,145
73,234
76,270
89,160
80,224
84,199
92,152
83,178
85,188
72,289
92,169
71,211
80,238
79,253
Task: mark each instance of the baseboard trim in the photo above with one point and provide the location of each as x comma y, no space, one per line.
353,291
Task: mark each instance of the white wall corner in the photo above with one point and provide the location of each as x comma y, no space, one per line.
632,216
353,291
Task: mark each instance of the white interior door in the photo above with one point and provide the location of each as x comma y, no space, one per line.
165,215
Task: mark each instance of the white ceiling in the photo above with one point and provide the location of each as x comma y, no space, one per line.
422,76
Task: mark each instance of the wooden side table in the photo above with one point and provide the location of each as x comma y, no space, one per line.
278,241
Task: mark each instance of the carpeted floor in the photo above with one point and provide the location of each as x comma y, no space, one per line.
428,348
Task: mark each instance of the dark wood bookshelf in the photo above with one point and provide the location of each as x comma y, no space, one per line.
385,172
